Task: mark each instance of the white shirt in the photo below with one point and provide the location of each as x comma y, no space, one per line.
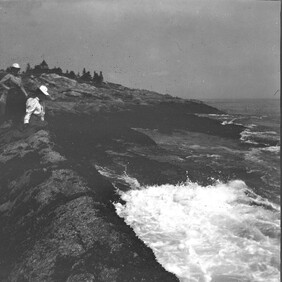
33,106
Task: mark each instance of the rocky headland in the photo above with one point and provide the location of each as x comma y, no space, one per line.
57,218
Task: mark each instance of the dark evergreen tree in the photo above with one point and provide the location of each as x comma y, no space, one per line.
101,78
59,71
56,71
72,75
95,77
86,76
44,65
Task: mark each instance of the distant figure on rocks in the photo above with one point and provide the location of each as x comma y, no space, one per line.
14,97
35,105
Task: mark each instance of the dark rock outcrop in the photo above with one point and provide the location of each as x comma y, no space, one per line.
57,219
58,223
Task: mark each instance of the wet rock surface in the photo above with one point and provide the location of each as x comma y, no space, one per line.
57,219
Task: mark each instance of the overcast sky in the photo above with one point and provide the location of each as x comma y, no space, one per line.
188,48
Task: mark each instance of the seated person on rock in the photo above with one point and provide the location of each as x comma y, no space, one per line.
35,105
14,98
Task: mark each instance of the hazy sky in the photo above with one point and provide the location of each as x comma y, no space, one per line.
187,48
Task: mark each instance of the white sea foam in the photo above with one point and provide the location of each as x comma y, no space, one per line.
225,122
215,233
214,156
223,117
273,149
116,178
256,137
219,115
254,154
251,125
213,115
245,137
231,122
196,147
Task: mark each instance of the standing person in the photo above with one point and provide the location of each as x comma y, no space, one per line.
13,99
36,104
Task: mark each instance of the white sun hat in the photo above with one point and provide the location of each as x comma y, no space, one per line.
44,90
16,66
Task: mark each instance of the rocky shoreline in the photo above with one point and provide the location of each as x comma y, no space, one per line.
57,219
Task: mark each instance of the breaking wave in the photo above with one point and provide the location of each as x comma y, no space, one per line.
224,232
267,138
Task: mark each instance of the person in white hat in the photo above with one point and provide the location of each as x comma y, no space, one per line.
13,99
13,79
35,105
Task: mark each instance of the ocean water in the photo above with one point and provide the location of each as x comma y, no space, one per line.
261,116
261,156
224,232
214,233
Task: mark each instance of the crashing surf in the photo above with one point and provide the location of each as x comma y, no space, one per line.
221,232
